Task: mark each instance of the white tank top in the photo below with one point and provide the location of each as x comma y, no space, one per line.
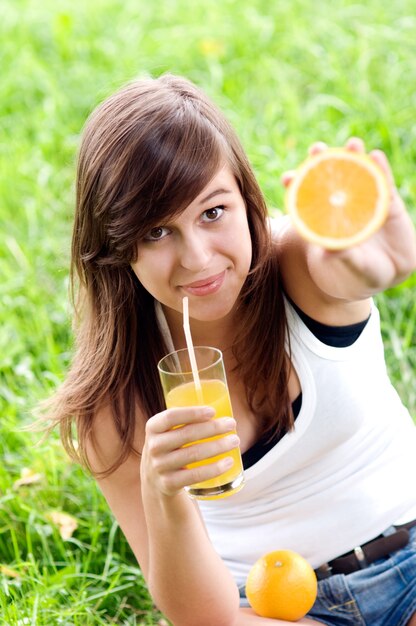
341,477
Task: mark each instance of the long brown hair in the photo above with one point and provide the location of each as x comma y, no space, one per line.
146,153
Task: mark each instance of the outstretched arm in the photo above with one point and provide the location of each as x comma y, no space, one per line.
334,286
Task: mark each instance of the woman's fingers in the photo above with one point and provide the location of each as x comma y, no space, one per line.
195,432
177,439
172,418
189,433
177,468
354,144
184,425
196,452
172,482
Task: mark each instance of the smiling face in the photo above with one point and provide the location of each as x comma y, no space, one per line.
204,253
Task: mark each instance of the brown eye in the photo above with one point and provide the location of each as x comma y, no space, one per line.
156,233
212,215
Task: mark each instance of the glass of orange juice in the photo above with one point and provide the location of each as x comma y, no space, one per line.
179,389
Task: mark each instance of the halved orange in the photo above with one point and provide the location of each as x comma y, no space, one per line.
338,198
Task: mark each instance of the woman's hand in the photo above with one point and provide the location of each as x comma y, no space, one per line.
181,560
380,262
169,448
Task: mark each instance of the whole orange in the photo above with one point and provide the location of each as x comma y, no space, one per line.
281,585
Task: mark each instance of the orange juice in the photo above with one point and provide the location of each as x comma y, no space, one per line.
215,394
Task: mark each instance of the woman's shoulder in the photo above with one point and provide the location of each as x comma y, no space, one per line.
105,446
117,471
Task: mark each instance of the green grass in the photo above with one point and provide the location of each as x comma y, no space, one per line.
286,74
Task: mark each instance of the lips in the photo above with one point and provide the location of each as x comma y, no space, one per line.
206,286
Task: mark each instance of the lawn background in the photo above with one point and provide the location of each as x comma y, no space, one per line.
286,74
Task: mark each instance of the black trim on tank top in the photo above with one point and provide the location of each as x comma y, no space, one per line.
335,336
266,442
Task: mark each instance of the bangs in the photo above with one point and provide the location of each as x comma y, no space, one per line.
186,158
168,168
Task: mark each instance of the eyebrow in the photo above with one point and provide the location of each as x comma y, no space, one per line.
217,192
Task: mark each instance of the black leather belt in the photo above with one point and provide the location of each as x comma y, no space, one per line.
364,555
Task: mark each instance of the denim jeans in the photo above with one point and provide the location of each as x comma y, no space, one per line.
383,594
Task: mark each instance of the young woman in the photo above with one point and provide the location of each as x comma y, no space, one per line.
168,206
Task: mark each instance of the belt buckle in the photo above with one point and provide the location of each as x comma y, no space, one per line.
360,556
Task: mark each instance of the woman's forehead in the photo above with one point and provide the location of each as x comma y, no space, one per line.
222,182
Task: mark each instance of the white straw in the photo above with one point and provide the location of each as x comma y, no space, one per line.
191,350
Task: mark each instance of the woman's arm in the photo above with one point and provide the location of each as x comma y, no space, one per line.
334,287
186,577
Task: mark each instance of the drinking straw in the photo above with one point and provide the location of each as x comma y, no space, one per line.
191,350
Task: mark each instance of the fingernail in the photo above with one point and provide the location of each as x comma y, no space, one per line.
317,147
226,463
229,423
233,440
287,177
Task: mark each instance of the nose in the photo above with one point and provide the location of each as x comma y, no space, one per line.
195,253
